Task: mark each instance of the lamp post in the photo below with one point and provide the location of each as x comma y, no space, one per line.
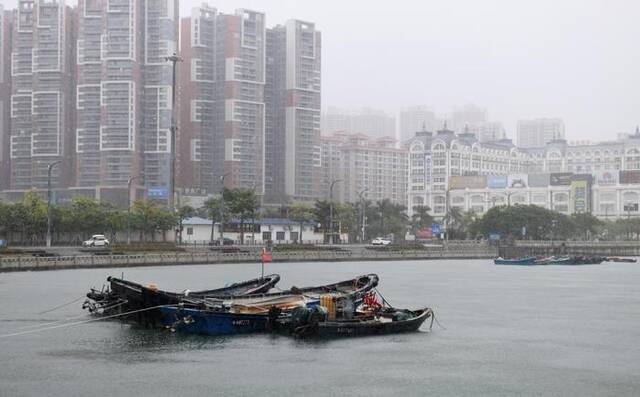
131,179
222,209
49,168
362,192
174,59
331,237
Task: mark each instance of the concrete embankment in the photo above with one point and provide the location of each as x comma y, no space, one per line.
28,263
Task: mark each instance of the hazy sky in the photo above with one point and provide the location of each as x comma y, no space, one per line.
578,60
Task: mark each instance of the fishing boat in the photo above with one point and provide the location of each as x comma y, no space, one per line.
123,296
389,321
586,260
253,313
528,260
562,260
621,259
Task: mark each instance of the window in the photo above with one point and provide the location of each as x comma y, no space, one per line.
294,236
189,231
266,236
280,236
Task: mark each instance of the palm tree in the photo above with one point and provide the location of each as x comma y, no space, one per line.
421,217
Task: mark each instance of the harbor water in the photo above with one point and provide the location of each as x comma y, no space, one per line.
506,330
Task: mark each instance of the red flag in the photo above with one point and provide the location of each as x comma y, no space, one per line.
266,256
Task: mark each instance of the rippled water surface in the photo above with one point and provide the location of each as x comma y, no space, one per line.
509,331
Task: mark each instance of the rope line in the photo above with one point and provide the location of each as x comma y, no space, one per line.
63,305
70,318
83,322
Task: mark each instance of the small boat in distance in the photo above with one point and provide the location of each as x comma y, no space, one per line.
621,259
528,260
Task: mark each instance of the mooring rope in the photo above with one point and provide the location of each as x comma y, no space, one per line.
436,320
72,318
83,322
63,305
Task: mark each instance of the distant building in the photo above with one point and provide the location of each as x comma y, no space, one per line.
124,97
372,122
538,132
467,115
42,94
276,230
254,113
293,158
455,170
487,131
417,118
364,164
435,158
6,21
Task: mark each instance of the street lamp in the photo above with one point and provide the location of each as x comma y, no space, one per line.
174,59
362,192
131,179
222,209
331,237
49,168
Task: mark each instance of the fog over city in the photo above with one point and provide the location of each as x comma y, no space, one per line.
575,60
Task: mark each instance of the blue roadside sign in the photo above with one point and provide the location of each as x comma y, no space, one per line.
494,237
157,192
435,228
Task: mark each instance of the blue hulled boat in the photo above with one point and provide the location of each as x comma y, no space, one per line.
528,260
239,315
206,322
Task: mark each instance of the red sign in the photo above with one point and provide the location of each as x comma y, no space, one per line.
424,233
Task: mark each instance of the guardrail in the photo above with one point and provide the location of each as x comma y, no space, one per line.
22,263
548,243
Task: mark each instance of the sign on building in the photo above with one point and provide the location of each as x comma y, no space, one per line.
629,176
468,182
497,181
538,180
157,193
560,179
518,181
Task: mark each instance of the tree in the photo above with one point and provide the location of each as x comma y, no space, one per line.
213,207
387,218
243,203
321,214
525,222
149,219
301,213
586,224
421,218
184,212
346,215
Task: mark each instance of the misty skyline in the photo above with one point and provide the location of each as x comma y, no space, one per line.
573,60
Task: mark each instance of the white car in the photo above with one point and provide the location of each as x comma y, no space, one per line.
380,241
97,240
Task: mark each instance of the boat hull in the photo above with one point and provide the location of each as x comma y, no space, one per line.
354,328
211,323
127,296
531,260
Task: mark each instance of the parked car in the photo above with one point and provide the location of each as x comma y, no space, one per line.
380,241
226,241
97,240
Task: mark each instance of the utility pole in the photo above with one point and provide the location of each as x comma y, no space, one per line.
131,179
49,168
222,209
174,59
331,236
363,213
